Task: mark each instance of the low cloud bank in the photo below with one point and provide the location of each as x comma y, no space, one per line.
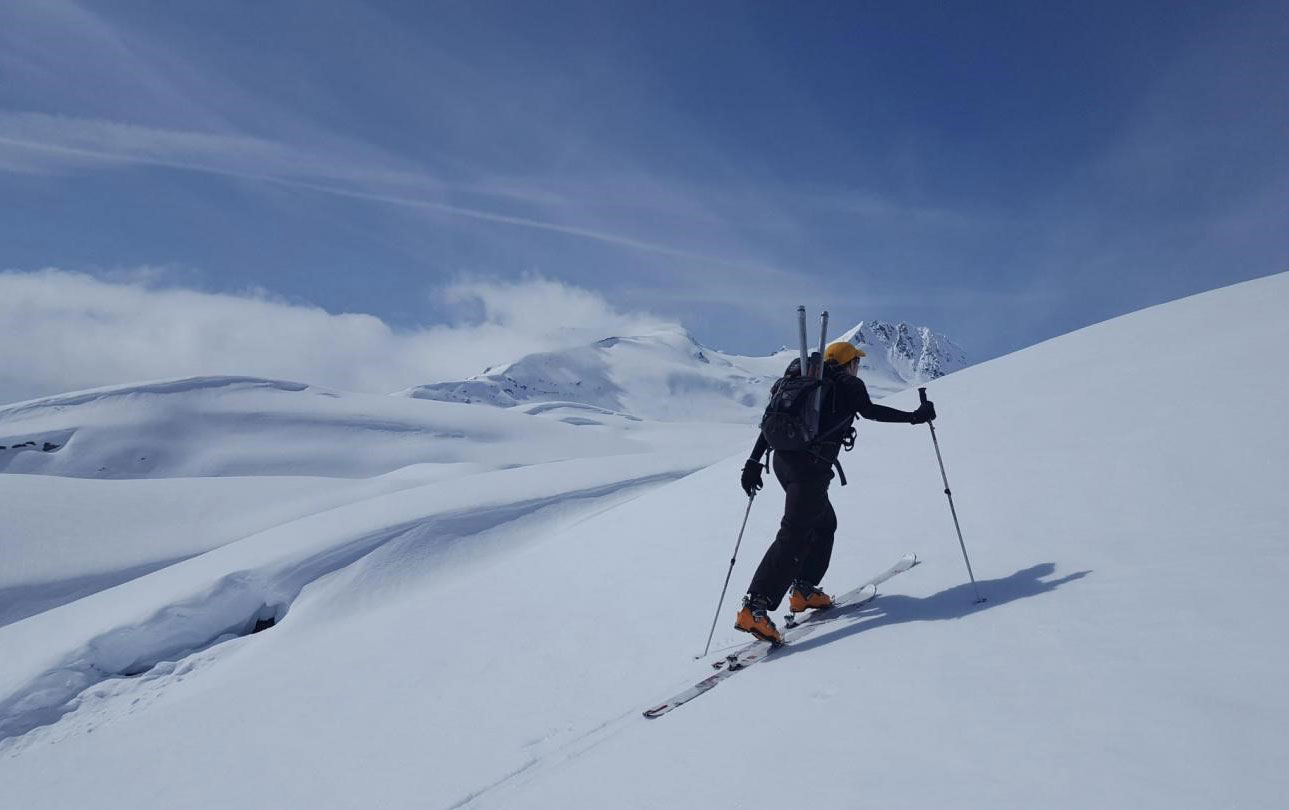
63,331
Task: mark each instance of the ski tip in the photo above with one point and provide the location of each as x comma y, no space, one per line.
656,711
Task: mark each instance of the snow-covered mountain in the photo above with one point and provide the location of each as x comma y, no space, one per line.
668,375
912,355
485,632
665,375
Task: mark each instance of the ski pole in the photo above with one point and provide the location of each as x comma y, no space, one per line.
733,557
949,495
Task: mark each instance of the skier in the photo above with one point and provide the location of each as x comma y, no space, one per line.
802,548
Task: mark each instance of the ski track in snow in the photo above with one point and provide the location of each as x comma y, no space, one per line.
884,609
861,615
854,618
233,606
563,753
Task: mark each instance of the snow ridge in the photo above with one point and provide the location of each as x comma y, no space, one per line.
207,610
167,386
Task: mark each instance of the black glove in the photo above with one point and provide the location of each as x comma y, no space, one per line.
751,480
924,413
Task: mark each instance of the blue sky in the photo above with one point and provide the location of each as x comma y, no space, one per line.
1002,172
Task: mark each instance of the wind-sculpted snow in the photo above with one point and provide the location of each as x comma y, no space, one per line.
138,526
187,607
556,405
186,466
175,386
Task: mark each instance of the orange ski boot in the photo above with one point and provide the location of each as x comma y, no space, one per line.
805,597
754,618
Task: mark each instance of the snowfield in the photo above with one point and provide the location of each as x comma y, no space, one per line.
460,605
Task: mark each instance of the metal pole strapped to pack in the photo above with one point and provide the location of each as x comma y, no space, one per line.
823,340
801,324
819,372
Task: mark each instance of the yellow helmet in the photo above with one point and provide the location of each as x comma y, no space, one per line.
842,352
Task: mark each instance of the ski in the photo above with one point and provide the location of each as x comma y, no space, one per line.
754,651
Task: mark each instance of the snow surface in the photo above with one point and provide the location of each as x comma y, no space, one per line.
222,426
488,637
267,453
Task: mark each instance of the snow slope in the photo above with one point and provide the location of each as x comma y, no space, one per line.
490,640
222,426
668,375
180,467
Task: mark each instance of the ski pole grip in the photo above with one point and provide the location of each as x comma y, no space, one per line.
922,395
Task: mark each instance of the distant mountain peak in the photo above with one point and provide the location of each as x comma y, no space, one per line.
915,354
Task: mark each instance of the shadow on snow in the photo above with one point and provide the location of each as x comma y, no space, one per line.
957,602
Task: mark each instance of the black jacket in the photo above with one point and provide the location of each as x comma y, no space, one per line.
845,397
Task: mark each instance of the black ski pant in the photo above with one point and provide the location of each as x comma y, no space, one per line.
803,547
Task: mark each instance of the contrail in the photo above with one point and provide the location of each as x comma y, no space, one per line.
392,199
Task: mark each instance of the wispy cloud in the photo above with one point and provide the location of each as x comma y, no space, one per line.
155,109
62,143
40,142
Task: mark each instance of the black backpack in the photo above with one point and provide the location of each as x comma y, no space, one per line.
791,421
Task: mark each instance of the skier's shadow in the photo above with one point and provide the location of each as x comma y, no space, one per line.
953,603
